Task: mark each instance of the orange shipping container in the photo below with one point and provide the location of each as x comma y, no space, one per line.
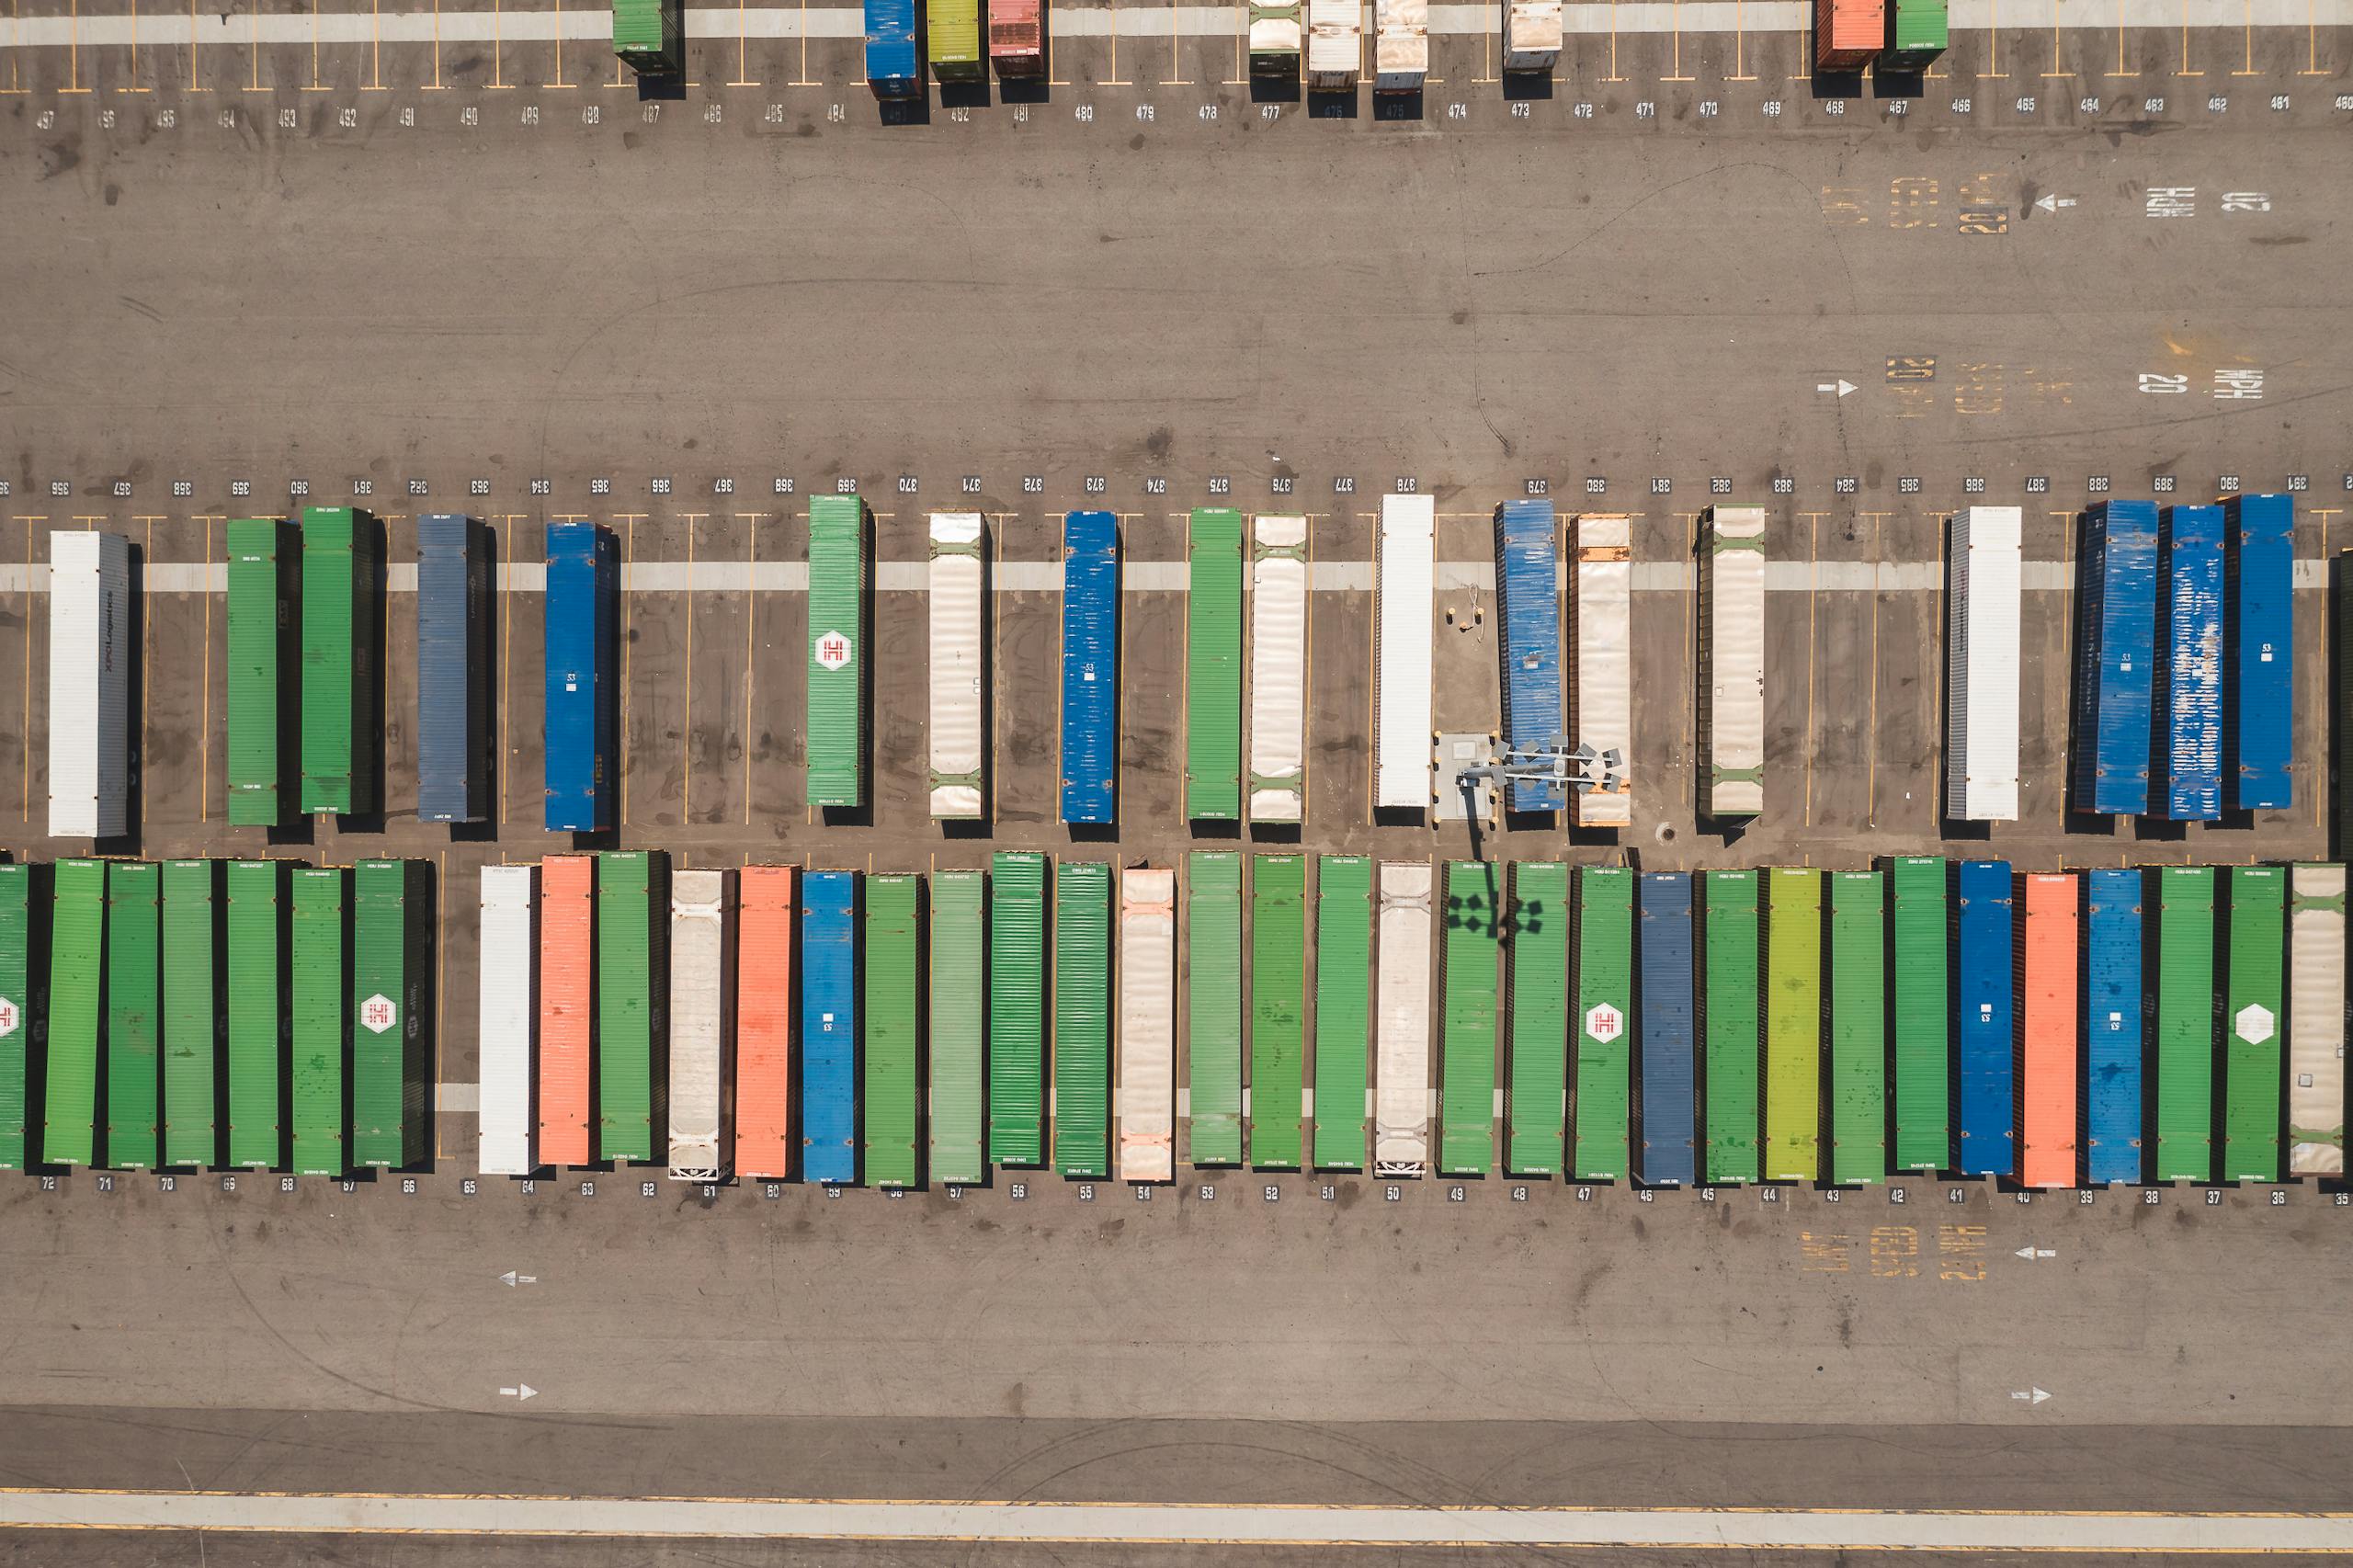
764,1142
2047,1073
1848,33
567,1003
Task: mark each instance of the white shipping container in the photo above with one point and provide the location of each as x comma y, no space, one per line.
1335,43
1147,1095
1982,667
1732,662
1275,33
89,683
508,1043
959,706
2316,1020
701,1007
1531,34
1402,608
1604,671
1400,45
1401,1139
1279,669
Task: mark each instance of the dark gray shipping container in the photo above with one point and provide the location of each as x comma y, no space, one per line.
453,678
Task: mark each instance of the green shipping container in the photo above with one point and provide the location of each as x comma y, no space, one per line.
647,36
838,635
1467,1085
1343,1008
953,30
76,986
320,1007
1922,1088
892,994
15,1009
2254,1111
258,549
632,1018
1792,1025
958,923
1017,1008
134,970
1605,1030
1213,1007
392,1067
342,608
1857,1028
1730,1026
1538,952
1917,33
256,986
1082,1018
1278,1008
1213,667
2185,1093
191,1010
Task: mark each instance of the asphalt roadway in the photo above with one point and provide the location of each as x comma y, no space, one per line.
1282,305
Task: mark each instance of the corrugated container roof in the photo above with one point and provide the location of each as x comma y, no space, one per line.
958,1000
1016,1032
829,1025
764,1023
1090,711
1665,1154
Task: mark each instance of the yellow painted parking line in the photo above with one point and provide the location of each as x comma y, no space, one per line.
1813,578
1678,67
1740,43
25,732
751,660
687,724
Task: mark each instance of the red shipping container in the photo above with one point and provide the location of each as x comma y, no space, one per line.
764,1140
567,1003
1848,33
1016,38
2047,1072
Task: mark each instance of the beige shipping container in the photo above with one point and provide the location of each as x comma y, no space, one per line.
1400,45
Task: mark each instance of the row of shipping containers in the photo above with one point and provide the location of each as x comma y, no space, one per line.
1791,1024
2185,671
305,682
237,1015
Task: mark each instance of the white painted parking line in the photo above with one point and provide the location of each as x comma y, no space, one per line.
1713,1530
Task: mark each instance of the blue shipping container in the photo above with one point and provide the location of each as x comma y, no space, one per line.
1984,969
583,682
893,62
1090,667
1663,1030
453,668
2193,669
2259,722
2112,1024
2116,629
829,1027
1528,588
